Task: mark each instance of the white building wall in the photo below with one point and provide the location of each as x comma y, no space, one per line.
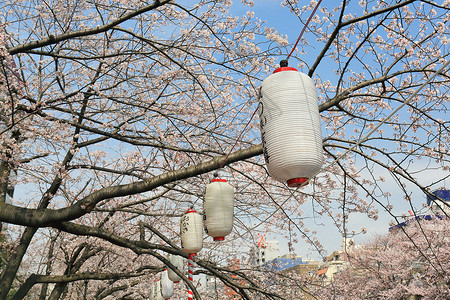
438,207
268,251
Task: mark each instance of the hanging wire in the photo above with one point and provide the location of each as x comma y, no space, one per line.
304,28
248,123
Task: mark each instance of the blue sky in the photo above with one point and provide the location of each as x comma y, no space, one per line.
287,24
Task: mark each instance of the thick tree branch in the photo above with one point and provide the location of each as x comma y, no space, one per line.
51,40
46,217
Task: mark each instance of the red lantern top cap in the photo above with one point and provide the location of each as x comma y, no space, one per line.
284,69
191,210
218,180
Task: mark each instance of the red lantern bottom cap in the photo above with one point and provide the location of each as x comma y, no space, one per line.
297,182
219,238
176,281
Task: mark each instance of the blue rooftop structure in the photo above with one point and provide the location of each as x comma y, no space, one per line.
433,201
281,263
443,194
422,217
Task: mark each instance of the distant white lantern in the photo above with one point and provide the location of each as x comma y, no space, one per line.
218,209
152,292
166,285
157,291
191,227
178,262
290,126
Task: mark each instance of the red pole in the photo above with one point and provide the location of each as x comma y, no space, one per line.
191,274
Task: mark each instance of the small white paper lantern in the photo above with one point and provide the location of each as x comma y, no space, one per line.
191,227
157,291
218,209
178,262
290,126
166,285
152,292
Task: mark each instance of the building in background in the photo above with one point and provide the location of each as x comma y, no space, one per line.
264,252
283,262
286,270
439,207
336,261
439,203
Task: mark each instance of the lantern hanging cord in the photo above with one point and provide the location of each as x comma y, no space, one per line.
304,28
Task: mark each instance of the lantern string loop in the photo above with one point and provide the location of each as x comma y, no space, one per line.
304,28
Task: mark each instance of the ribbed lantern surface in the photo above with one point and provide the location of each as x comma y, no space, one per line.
218,209
290,126
166,285
157,291
178,262
191,227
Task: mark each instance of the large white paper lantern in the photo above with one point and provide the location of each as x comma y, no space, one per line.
218,209
191,227
166,285
290,126
178,262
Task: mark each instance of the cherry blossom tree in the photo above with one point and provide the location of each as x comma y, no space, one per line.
411,261
116,114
